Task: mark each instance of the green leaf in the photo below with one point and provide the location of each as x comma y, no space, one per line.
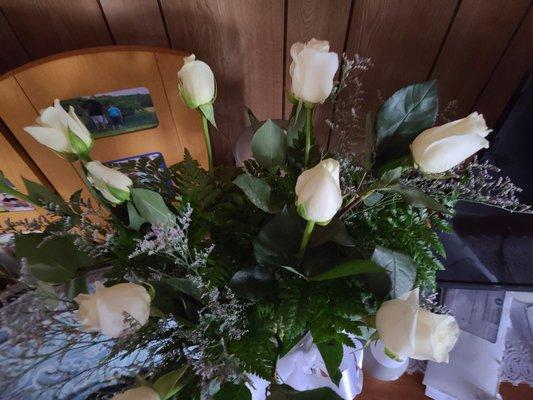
269,145
296,123
335,232
391,176
254,283
373,198
403,116
152,207
285,392
40,194
254,122
167,385
186,286
400,267
256,190
417,198
278,241
55,260
135,219
232,391
332,353
208,111
348,268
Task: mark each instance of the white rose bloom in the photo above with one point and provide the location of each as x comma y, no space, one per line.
61,131
312,70
318,193
112,184
410,331
104,310
139,393
197,82
443,147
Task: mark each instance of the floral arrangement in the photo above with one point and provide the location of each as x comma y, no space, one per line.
216,275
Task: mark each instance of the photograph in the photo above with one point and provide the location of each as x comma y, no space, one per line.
114,113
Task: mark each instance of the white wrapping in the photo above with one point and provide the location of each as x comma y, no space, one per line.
303,369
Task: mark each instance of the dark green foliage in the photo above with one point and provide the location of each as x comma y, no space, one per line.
398,226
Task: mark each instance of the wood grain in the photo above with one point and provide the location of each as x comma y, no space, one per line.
516,61
477,39
324,20
242,41
47,27
402,38
12,53
135,22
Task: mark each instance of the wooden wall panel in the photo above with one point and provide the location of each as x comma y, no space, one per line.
51,26
12,54
477,39
135,22
243,42
517,59
320,19
402,37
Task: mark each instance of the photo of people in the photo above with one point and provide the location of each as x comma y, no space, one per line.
113,113
9,203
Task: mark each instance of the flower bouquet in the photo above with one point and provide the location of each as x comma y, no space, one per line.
260,281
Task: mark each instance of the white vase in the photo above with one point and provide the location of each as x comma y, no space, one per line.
380,366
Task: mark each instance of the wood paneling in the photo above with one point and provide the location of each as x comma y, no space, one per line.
135,22
402,38
12,53
51,26
243,43
320,19
477,39
517,59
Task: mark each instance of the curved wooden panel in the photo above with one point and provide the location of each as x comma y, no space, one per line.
36,85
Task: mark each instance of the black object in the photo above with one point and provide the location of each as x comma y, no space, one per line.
491,248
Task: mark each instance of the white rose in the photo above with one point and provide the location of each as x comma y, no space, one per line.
139,393
312,70
197,82
61,131
318,193
443,147
106,310
410,331
112,184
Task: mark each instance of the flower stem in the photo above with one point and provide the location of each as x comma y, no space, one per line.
308,132
205,127
305,238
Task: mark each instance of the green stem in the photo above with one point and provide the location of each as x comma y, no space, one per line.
308,132
305,238
205,127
